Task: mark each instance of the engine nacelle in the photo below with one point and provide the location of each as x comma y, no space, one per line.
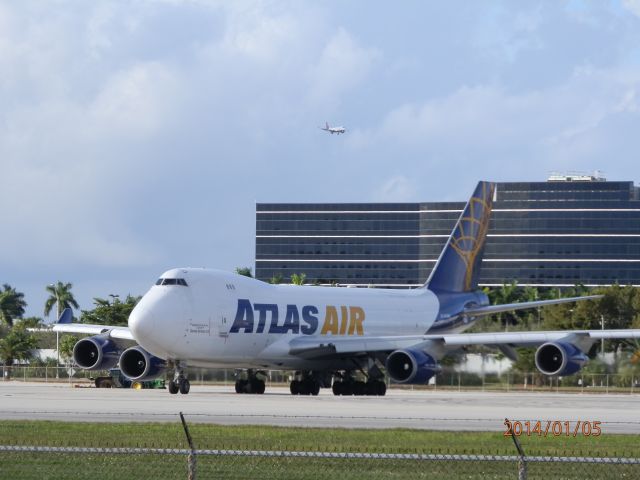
96,353
411,366
138,364
559,358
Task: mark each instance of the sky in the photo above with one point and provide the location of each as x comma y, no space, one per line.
137,136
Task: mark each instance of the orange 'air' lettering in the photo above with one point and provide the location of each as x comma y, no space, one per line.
356,315
344,320
330,321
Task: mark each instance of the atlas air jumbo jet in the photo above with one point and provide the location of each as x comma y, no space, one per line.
328,336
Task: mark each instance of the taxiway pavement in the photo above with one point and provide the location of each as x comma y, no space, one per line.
437,410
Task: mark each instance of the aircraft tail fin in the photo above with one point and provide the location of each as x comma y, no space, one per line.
458,267
66,316
326,125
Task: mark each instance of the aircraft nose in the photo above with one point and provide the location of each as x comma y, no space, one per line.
141,321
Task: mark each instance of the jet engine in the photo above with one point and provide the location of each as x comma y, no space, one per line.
96,353
411,366
138,364
559,358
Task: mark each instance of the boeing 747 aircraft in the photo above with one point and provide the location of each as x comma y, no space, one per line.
209,318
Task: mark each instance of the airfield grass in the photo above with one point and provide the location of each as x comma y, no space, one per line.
206,436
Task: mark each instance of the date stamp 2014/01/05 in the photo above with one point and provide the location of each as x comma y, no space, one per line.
552,428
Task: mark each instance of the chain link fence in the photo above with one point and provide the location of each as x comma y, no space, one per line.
176,453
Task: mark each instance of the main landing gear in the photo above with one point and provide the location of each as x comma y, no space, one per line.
309,382
250,381
180,382
355,387
306,386
344,383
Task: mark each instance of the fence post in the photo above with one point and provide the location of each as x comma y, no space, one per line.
522,460
191,459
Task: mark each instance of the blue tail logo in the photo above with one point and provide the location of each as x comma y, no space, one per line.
458,267
66,316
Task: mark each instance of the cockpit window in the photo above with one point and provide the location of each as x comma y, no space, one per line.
172,281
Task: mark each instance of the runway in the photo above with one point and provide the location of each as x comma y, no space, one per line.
440,410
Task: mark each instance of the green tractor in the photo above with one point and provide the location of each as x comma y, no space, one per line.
116,379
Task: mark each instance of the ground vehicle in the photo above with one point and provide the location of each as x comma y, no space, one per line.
116,379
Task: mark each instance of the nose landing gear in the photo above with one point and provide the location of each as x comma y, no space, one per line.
180,382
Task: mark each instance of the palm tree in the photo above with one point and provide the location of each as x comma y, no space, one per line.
276,279
12,304
298,279
244,271
61,296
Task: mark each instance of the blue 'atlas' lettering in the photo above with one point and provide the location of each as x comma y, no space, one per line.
263,308
308,315
244,317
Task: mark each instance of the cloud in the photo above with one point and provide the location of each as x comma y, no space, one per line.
137,137
342,66
136,101
632,6
396,189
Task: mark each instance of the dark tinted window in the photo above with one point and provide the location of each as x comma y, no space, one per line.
173,281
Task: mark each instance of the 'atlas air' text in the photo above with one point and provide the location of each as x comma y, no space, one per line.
266,317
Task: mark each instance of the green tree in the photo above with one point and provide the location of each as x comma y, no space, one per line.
244,271
31,322
61,296
12,304
507,293
105,312
298,279
67,342
276,279
17,345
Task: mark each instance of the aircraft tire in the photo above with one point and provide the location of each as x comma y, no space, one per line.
346,388
371,387
337,388
185,386
381,389
303,387
315,388
294,387
359,388
258,387
173,387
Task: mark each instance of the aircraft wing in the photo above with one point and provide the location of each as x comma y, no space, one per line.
122,333
478,311
317,347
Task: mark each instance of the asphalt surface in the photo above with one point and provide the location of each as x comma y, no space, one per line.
437,410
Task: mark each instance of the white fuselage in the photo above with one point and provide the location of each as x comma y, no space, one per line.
221,319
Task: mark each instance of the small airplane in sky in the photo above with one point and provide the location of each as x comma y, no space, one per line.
333,130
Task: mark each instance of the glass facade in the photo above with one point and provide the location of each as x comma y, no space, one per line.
541,233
